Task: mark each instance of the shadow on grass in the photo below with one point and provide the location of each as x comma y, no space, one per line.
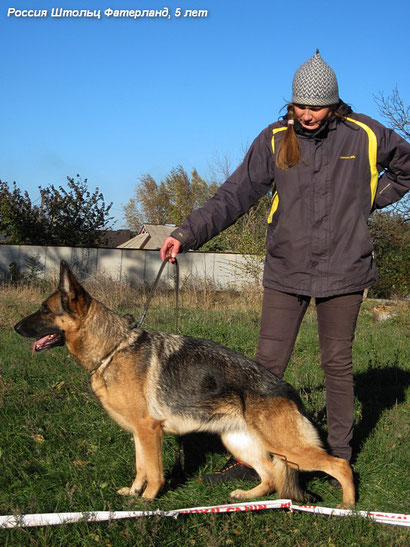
378,389
193,449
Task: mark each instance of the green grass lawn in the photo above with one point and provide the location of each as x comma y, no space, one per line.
59,451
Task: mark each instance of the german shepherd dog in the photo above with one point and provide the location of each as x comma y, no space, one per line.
153,382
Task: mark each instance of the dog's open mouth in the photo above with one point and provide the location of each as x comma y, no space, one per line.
47,342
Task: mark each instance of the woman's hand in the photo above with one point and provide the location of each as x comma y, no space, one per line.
170,247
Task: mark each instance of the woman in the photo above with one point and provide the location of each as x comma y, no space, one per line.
323,162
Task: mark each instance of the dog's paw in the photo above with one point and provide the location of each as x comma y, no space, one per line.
129,492
349,506
239,494
124,491
151,491
134,491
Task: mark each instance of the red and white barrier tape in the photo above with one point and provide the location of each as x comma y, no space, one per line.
50,519
47,519
378,516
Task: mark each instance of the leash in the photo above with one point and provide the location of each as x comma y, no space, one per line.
181,451
154,286
122,344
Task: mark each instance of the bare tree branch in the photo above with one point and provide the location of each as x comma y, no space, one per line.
394,111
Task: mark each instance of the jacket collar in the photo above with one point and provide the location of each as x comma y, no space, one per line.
319,133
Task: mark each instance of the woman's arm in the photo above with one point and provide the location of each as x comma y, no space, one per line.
394,157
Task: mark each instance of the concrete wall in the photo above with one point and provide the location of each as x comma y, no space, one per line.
134,266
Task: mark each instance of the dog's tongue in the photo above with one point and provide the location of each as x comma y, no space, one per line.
39,344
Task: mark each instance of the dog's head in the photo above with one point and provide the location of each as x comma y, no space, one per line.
59,315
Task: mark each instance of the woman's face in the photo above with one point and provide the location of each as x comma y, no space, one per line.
311,117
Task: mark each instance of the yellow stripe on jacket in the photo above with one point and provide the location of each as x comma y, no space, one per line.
372,151
275,200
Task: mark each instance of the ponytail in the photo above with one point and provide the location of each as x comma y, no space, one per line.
289,152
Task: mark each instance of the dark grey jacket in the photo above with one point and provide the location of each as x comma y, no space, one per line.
317,240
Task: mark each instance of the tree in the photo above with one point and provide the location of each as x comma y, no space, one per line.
168,202
74,216
394,111
391,240
65,217
19,219
149,205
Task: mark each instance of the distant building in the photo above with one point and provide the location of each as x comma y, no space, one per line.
151,237
114,238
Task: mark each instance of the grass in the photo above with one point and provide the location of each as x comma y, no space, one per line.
59,451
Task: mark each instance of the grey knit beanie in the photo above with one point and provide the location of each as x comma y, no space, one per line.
315,83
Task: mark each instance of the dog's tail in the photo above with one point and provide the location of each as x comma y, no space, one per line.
286,479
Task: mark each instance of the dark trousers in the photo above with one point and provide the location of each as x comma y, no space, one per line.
282,314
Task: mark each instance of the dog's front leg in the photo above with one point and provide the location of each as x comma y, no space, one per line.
140,476
148,460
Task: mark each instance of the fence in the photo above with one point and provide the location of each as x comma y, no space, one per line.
138,267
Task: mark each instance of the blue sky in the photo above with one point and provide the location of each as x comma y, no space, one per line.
113,99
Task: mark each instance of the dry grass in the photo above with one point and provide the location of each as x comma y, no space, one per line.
21,293
123,297
15,298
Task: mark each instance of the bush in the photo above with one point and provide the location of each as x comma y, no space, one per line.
391,239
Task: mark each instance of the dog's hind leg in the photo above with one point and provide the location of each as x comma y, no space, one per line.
247,448
286,431
317,459
274,473
148,458
312,458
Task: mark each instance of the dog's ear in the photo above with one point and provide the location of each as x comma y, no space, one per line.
75,298
64,277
